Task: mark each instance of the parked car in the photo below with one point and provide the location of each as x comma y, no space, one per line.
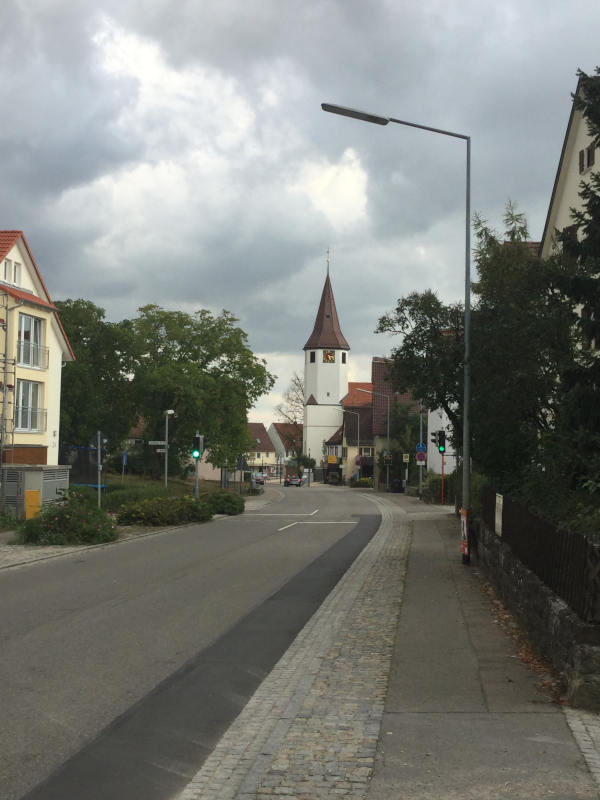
292,480
257,477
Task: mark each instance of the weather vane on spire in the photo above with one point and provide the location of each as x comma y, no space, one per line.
327,262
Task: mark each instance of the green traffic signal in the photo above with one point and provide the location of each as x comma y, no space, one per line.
441,442
197,448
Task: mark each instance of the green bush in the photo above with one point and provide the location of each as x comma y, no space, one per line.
73,520
8,519
432,488
223,502
164,511
361,483
118,496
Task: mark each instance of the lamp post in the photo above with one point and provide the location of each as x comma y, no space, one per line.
466,493
357,415
168,413
387,396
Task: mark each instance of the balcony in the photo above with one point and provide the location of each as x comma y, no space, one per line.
31,355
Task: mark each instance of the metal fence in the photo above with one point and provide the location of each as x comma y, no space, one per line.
567,562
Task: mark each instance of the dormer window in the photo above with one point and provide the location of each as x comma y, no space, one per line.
12,271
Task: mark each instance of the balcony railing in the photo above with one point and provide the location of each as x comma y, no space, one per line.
31,419
31,355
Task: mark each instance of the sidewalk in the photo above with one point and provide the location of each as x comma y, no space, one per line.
403,685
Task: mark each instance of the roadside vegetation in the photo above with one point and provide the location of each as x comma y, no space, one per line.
77,520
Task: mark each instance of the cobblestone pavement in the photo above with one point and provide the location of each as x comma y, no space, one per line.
311,728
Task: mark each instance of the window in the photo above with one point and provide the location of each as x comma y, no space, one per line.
30,415
367,452
12,271
344,452
586,158
30,352
258,455
312,356
343,358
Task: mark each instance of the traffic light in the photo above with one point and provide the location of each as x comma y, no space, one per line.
434,437
441,442
197,447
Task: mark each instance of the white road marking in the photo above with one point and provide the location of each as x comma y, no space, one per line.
291,525
259,514
325,522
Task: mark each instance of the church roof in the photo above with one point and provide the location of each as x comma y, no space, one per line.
327,331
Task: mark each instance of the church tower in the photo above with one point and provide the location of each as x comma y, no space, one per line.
325,376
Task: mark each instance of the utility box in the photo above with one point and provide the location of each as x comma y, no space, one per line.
27,488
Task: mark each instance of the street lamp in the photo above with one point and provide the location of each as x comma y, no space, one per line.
387,396
168,414
357,415
466,493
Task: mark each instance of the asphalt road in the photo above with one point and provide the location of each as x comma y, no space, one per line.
121,666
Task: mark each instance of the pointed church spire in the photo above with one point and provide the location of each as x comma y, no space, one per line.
327,332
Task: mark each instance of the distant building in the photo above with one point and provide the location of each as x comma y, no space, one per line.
262,457
287,439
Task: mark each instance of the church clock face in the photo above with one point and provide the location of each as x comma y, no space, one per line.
328,356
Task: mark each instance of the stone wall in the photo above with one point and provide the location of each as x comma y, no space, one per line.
553,629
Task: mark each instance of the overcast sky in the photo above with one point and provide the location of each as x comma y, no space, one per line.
156,151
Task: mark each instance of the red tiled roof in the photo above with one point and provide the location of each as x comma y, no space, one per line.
338,437
290,433
355,397
260,437
327,331
27,297
7,240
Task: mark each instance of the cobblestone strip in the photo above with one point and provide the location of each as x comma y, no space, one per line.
311,728
585,726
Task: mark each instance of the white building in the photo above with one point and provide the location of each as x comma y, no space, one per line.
325,377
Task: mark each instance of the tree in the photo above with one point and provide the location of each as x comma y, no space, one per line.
521,342
96,387
572,453
291,408
520,336
429,360
199,365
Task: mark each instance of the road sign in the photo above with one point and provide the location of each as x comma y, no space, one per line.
421,447
405,457
153,443
421,457
161,450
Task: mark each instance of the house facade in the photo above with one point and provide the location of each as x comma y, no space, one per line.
577,159
287,441
33,349
263,456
